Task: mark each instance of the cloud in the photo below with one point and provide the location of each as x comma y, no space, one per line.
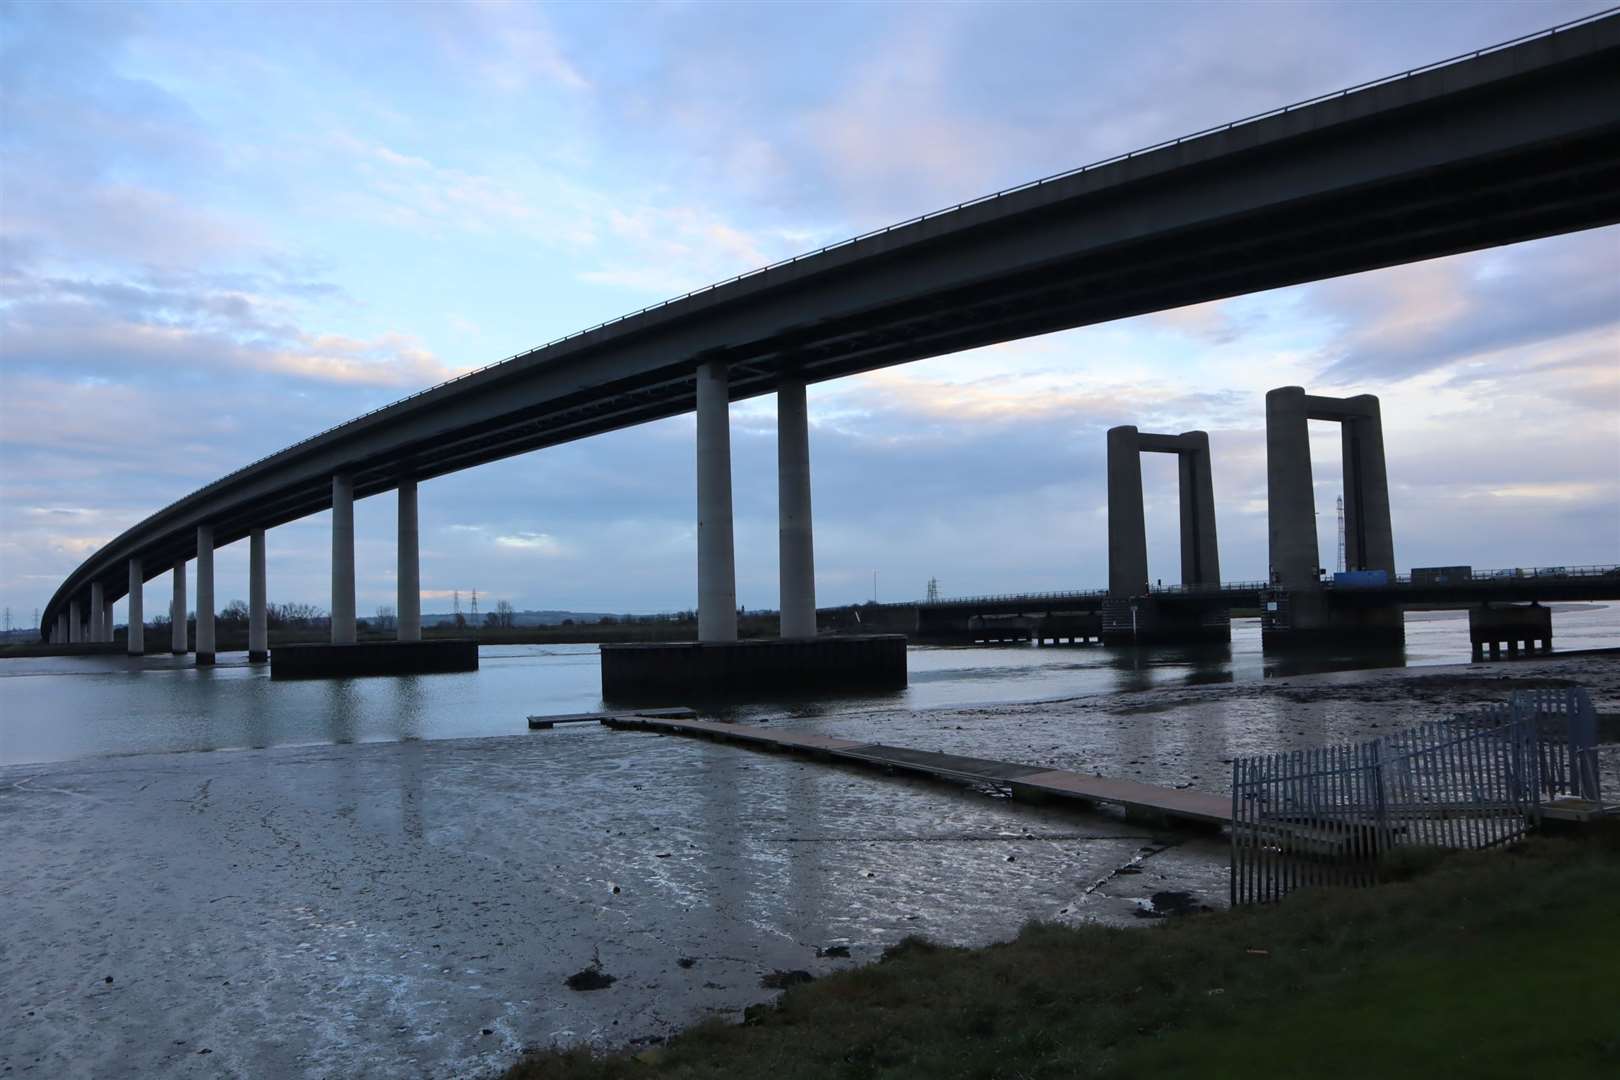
1410,319
513,47
138,329
534,543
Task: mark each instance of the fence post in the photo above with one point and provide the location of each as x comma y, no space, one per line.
1381,840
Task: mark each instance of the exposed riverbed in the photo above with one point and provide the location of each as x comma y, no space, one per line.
356,885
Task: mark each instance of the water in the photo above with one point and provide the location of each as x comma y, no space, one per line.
63,708
394,877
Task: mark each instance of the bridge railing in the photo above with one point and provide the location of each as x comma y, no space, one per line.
1004,192
1523,573
1518,573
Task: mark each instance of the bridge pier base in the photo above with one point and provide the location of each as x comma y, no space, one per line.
1146,620
1295,619
373,658
1492,625
759,668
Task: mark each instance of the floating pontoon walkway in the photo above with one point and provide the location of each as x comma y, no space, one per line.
1029,782
542,723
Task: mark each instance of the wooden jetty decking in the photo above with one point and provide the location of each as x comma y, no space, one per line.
542,723
1029,782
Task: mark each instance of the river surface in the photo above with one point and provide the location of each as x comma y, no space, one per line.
61,708
206,874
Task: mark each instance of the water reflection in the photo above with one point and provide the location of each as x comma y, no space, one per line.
1318,661
59,708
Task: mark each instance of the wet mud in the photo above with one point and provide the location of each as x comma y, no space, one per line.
425,909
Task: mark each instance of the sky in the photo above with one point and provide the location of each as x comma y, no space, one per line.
225,227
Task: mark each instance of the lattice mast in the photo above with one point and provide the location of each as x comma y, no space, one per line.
1341,534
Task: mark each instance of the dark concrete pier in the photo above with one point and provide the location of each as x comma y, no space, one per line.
372,658
1494,625
707,670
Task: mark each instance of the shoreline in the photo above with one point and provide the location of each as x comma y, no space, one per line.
415,906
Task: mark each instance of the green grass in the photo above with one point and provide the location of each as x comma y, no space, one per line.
1499,963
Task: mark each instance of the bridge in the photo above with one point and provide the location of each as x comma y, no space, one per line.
1510,143
953,618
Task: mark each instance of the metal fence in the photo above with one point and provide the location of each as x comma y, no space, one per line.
1327,816
1566,759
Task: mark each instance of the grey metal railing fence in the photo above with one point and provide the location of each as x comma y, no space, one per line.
1565,724
1327,816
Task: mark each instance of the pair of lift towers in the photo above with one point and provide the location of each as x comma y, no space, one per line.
1295,607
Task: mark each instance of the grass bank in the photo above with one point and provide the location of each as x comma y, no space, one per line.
1492,964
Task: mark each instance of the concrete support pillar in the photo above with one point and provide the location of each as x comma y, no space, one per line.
205,595
1369,541
717,571
75,624
137,614
342,559
1290,496
60,635
796,543
107,621
1127,527
258,606
1200,556
100,628
179,632
410,567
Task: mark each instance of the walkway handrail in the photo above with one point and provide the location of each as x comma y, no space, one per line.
1540,573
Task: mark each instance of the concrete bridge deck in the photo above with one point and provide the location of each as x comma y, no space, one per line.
1028,782
1573,584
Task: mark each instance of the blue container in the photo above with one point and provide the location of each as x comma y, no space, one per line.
1360,579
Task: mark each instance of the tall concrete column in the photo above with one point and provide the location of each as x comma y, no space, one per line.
60,636
410,567
1200,557
1369,541
137,614
717,569
342,559
179,636
1127,527
205,594
258,607
107,621
75,624
100,630
796,545
1290,495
